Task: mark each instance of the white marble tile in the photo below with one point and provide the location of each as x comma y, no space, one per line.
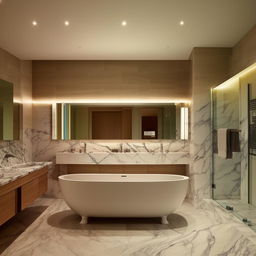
244,142
200,150
11,173
123,158
207,230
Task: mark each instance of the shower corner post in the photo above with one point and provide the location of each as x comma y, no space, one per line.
212,141
248,144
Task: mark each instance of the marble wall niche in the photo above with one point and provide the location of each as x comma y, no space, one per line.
226,172
210,67
19,73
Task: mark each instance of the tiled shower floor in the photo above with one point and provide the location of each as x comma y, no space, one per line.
242,210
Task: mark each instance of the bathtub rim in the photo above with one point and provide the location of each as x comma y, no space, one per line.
63,178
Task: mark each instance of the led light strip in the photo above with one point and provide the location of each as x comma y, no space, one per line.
112,101
236,77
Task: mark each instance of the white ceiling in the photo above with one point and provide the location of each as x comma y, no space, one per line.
95,31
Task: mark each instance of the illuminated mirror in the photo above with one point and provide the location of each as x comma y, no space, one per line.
80,121
9,113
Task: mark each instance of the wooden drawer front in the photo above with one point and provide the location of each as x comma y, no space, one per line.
8,207
32,190
43,184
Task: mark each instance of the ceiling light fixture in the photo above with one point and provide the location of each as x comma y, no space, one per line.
182,22
124,23
34,23
66,23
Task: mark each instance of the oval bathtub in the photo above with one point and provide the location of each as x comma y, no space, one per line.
123,195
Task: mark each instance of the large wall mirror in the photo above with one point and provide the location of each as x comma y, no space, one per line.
73,121
9,113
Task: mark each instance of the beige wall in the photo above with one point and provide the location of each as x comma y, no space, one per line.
19,73
111,80
244,52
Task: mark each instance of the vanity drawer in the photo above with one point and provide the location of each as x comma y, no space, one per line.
32,190
8,206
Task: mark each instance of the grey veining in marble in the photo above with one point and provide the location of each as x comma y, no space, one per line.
16,152
123,158
242,210
11,152
244,143
200,150
205,231
227,172
9,174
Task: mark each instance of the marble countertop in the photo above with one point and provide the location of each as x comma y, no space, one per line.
9,174
123,158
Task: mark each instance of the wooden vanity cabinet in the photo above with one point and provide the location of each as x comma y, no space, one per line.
20,193
32,190
8,206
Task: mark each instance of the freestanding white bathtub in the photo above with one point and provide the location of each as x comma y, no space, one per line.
123,195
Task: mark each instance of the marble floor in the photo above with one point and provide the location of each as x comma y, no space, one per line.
205,230
241,210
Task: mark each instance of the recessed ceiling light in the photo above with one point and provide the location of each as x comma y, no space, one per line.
182,22
34,23
66,23
124,23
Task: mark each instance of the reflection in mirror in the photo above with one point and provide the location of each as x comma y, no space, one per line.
9,113
80,121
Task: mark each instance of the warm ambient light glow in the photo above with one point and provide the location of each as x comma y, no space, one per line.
113,101
34,23
124,23
235,78
66,23
182,22
184,123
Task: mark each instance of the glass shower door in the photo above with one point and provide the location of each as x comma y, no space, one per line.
252,143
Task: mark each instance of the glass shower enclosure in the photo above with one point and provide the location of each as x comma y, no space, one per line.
234,177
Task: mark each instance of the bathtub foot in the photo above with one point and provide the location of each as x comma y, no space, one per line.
84,220
165,220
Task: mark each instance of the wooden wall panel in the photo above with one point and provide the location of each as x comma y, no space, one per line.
129,169
106,125
111,80
244,52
